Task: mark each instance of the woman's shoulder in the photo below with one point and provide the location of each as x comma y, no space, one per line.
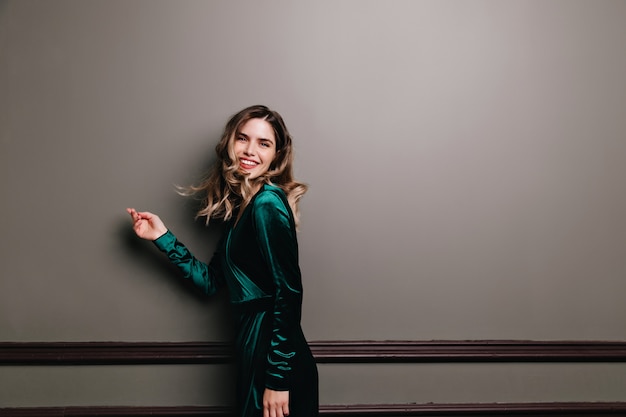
271,196
271,210
269,191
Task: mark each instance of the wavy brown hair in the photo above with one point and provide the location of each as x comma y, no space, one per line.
227,190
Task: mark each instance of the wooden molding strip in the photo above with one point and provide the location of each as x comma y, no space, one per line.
113,353
110,353
477,409
566,409
468,351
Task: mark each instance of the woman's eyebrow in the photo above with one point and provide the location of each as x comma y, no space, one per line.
262,139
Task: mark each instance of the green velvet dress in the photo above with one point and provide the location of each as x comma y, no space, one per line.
258,261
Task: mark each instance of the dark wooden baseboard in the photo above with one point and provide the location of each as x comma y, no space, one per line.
137,353
568,409
110,353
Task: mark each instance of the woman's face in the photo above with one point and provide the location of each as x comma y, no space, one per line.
255,147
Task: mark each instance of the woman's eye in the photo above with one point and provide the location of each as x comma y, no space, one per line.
242,138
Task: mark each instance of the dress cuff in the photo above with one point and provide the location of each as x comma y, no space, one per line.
276,383
165,241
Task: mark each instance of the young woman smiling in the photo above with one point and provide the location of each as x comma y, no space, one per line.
251,187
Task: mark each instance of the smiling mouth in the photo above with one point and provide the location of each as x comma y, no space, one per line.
247,163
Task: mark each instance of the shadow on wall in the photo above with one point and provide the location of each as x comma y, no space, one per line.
149,257
152,260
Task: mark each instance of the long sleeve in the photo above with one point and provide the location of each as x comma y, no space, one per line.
276,235
207,277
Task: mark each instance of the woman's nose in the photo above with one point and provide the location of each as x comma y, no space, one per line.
250,148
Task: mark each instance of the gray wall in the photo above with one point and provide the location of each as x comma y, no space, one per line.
466,163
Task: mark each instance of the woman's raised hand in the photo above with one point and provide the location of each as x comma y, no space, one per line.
147,225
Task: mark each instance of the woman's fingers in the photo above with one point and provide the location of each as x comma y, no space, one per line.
139,226
137,216
146,225
275,403
133,214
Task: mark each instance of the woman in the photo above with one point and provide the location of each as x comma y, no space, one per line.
251,187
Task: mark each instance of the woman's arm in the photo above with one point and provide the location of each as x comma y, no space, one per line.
276,235
149,226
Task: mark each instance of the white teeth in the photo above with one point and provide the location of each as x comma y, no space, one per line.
245,162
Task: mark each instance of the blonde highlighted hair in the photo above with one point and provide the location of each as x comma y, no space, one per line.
227,191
